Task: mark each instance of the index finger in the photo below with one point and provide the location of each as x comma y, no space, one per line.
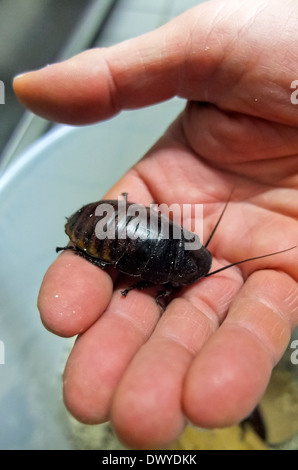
73,295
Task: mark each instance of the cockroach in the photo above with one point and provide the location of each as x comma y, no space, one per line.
149,247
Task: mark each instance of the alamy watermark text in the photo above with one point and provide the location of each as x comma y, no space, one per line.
136,221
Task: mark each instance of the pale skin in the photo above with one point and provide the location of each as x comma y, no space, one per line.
209,357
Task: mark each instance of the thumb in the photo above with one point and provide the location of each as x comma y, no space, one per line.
98,83
218,52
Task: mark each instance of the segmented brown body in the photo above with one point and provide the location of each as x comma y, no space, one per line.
152,258
80,228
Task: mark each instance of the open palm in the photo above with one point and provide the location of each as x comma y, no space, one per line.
208,358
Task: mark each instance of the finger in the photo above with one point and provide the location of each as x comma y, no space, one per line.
101,355
195,56
229,376
147,408
74,292
73,295
98,83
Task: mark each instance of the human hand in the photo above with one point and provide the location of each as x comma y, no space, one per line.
208,358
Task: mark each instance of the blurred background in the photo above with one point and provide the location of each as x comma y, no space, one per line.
34,33
47,172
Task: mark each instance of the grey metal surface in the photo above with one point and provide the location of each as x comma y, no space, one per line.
32,34
30,126
103,23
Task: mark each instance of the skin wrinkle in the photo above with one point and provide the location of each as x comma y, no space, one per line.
229,45
253,16
270,305
231,144
285,139
259,129
208,313
142,328
281,205
291,300
145,328
192,143
207,95
196,320
276,179
174,338
288,20
182,122
250,21
252,241
182,75
216,246
114,94
271,210
136,169
245,29
277,312
176,74
214,312
274,356
190,50
217,19
163,171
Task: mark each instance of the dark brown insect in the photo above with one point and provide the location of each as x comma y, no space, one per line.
105,235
